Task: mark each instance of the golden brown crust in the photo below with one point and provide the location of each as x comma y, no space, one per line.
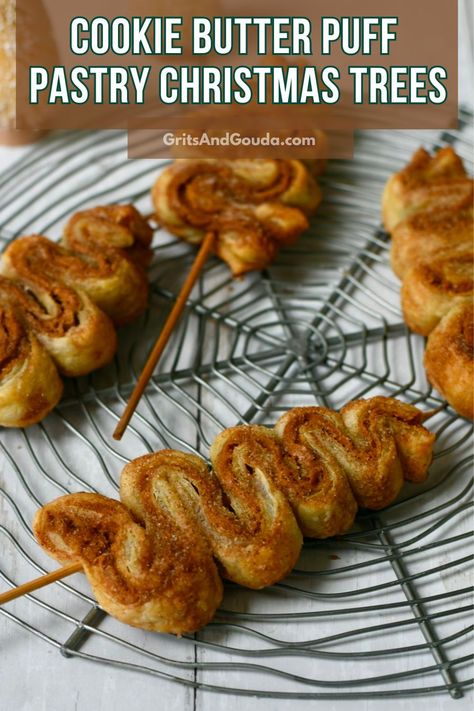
149,559
449,358
428,205
101,254
379,423
61,296
235,510
315,484
359,456
29,383
426,182
253,206
77,335
256,538
424,234
431,288
109,248
144,569
112,226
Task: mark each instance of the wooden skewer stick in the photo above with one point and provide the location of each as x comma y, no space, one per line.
40,582
164,336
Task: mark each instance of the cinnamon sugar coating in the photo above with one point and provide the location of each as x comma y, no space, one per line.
428,207
254,206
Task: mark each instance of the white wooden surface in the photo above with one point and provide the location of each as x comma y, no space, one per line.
33,676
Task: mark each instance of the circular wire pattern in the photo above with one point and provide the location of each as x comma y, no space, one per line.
321,325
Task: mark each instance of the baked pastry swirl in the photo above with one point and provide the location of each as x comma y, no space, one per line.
64,300
102,253
449,358
432,288
428,209
253,206
145,568
111,249
428,232
30,385
72,329
150,558
359,456
437,182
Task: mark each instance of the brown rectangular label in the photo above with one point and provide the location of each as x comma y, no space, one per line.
218,70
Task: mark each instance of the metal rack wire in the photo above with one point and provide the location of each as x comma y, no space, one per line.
320,325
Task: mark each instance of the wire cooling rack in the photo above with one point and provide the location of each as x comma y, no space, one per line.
383,611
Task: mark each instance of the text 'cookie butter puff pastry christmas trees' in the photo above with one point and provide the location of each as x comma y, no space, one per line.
60,303
428,209
153,560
